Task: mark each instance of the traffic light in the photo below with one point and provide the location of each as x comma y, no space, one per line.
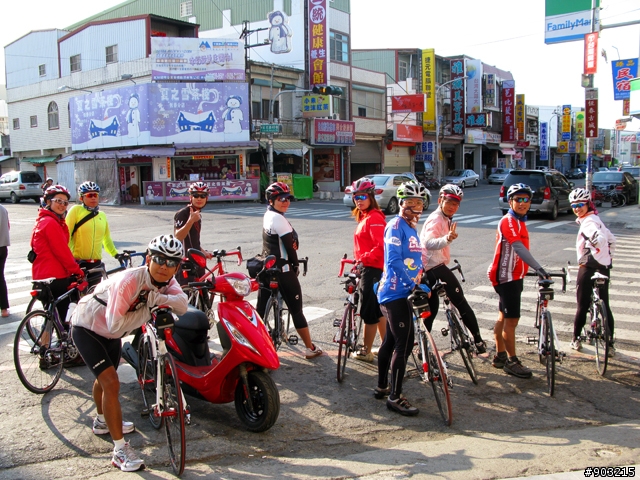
328,90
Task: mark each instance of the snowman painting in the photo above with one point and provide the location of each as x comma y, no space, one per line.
133,116
150,193
248,190
279,34
233,115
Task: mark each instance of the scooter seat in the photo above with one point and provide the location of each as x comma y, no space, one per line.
194,319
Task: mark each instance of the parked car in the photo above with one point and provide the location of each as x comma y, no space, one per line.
550,191
386,191
575,173
462,178
498,175
634,171
600,169
623,182
583,167
18,186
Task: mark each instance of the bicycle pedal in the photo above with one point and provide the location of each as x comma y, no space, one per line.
532,340
445,332
145,413
293,340
337,322
187,418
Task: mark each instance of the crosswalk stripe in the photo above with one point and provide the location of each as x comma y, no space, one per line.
480,219
549,226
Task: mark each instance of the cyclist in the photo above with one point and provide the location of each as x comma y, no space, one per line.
401,275
187,226
368,252
437,234
280,239
89,231
50,242
118,306
47,183
595,246
511,261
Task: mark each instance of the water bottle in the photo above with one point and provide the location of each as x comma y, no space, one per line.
72,308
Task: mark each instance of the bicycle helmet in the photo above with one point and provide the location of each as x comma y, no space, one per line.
452,191
363,185
49,178
579,195
166,245
412,190
519,188
199,187
276,189
53,190
87,187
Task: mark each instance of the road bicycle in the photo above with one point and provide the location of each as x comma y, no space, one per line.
596,331
162,395
275,311
461,339
350,325
43,343
426,358
614,197
547,339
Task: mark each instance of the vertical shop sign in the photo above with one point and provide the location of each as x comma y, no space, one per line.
428,82
318,47
591,53
591,102
566,122
623,71
520,115
508,111
490,90
579,124
474,86
625,107
457,97
544,141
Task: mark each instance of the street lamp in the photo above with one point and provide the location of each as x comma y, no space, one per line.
67,87
128,76
437,162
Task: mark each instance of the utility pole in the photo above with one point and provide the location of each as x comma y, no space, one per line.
437,162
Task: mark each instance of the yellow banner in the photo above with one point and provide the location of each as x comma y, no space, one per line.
520,115
580,124
566,124
429,86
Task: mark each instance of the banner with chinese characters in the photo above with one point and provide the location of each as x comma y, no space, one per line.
566,122
457,97
476,120
591,106
408,103
579,124
508,111
333,132
474,86
407,133
591,53
315,105
544,141
490,90
623,71
196,59
318,44
429,86
520,115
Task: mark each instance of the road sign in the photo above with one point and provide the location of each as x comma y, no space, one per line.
271,128
591,101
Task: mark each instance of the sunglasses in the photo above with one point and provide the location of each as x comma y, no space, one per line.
59,201
521,200
284,198
91,195
165,261
360,198
577,205
199,195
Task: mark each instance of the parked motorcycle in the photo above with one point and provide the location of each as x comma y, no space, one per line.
240,375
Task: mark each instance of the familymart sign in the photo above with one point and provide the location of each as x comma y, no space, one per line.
568,20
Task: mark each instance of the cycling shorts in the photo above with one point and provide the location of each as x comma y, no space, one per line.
98,352
510,296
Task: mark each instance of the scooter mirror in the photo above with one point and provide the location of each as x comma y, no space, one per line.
198,257
269,262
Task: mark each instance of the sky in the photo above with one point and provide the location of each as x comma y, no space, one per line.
508,34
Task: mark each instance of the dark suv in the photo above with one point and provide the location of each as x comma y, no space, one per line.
550,191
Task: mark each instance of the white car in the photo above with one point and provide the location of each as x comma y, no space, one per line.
386,191
462,178
498,175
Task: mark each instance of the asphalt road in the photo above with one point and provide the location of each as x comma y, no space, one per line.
503,427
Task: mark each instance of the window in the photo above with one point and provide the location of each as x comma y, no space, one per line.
362,112
340,108
260,109
112,54
339,47
52,114
403,70
186,9
370,102
42,70
16,124
34,121
76,63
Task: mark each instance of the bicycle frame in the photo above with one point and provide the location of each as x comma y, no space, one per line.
349,330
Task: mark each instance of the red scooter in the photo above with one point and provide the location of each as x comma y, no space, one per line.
241,374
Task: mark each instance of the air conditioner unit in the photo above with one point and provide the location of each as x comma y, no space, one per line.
533,129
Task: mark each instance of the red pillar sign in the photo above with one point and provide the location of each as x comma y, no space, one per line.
591,53
591,120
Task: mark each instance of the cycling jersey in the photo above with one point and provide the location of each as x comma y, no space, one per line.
433,237
279,238
507,265
402,261
597,233
368,241
91,236
192,240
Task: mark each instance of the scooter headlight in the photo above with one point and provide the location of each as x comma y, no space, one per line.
241,339
241,286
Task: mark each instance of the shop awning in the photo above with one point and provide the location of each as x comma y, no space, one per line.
39,160
68,158
508,151
287,147
492,146
5,157
225,145
137,152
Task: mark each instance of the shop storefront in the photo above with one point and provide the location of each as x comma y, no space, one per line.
331,159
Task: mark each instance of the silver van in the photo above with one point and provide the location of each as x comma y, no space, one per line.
17,186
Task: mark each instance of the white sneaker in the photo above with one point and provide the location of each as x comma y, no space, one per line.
576,345
126,459
100,428
313,352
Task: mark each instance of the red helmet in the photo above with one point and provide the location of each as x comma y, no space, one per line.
53,190
363,185
198,187
277,189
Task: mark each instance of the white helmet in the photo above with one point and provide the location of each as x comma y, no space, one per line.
168,246
412,190
579,195
452,191
519,188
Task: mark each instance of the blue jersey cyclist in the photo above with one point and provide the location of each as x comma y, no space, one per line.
401,275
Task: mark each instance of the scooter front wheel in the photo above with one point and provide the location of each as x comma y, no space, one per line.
258,406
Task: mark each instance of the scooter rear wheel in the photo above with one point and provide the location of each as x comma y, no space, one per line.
265,400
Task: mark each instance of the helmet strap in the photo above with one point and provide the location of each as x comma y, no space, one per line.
156,283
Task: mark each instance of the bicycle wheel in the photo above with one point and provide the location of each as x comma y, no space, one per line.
438,378
271,321
356,334
549,351
173,413
602,337
343,341
35,304
38,352
147,380
618,200
462,343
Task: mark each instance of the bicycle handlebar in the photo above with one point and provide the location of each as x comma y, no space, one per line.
458,267
304,261
562,275
343,261
218,254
